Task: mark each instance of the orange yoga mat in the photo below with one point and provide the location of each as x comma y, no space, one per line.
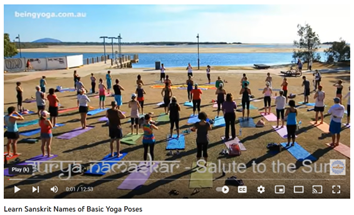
10,157
341,148
323,127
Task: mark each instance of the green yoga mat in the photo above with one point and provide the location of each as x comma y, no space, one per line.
251,107
131,139
201,180
163,118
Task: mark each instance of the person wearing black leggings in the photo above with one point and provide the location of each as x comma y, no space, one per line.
196,94
202,140
245,92
220,92
149,137
229,107
174,109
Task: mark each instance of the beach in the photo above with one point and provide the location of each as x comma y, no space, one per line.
162,49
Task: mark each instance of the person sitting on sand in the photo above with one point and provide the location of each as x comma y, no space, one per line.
218,82
166,94
134,105
149,137
11,132
337,113
348,106
339,87
114,115
46,134
202,129
269,79
140,92
190,84
319,103
139,81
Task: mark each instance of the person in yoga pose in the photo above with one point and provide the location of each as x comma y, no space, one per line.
109,82
53,106
19,96
46,134
101,93
93,83
337,113
267,91
339,87
82,103
75,78
40,100
166,94
174,109
245,92
114,116
139,81
319,103
269,79
134,113
306,85
189,83
218,82
118,93
11,132
228,108
284,86
348,106
291,123
208,73
190,70
280,102
140,92
197,98
168,81
42,84
245,81
202,140
162,74
220,92
149,137
80,85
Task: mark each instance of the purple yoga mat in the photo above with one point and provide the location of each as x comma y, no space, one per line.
102,119
283,132
347,126
236,140
270,117
137,178
74,133
28,162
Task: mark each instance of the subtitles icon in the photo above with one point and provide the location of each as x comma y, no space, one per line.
317,189
299,189
242,189
279,189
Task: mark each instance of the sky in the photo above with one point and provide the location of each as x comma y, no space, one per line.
145,23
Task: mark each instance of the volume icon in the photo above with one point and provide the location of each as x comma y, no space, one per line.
54,189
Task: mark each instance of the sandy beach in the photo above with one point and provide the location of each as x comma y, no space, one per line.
160,49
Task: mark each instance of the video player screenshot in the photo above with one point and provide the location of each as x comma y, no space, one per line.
110,107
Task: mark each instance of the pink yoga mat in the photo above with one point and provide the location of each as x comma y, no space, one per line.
270,117
283,132
341,148
138,177
215,105
232,141
74,133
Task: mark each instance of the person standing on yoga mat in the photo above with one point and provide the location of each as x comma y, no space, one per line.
82,103
118,93
109,82
335,127
339,87
189,88
284,86
40,100
267,92
291,123
245,92
202,140
245,81
42,84
168,81
53,106
190,70
114,116
11,132
134,113
269,79
166,94
162,74
19,96
139,81
218,82
79,85
280,102
348,106
208,73
140,92
46,134
220,92
319,103
197,98
93,83
229,107
244,78
306,85
149,137
317,79
75,78
174,109
102,94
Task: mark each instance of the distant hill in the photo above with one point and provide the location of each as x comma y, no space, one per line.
47,40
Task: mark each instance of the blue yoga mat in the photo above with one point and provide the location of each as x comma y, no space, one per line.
246,123
174,143
188,104
35,131
29,112
194,119
298,152
101,168
96,111
219,122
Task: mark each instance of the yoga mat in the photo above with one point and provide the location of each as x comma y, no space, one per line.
68,109
102,168
311,109
174,143
188,104
215,105
36,131
140,115
103,119
96,111
74,133
283,132
270,117
29,101
160,103
232,141
199,179
275,90
254,100
131,139
163,118
219,122
28,140
193,119
298,152
29,112
311,104
67,90
138,177
12,156
323,127
347,126
341,148
251,107
38,158
246,123
28,123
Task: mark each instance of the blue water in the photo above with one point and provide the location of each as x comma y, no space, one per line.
147,60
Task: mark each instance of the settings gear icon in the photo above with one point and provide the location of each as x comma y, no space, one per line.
261,189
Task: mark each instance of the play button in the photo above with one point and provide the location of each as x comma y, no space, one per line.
225,189
16,189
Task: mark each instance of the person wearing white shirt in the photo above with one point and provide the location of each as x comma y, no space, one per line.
208,73
319,103
280,107
337,113
162,74
190,70
82,103
317,80
348,106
